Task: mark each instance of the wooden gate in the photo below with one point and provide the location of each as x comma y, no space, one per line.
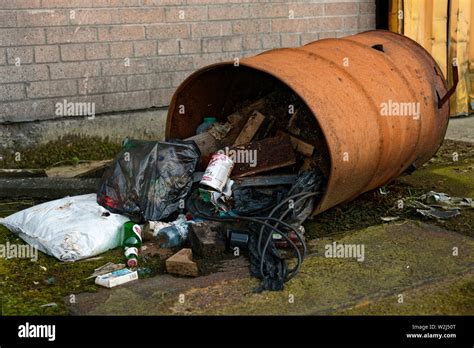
443,28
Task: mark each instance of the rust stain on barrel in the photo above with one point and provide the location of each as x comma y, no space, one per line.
345,83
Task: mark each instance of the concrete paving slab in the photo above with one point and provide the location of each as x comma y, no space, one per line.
461,129
451,296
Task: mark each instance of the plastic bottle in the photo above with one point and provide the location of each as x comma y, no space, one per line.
205,125
173,235
132,242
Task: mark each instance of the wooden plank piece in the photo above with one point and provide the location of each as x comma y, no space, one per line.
292,128
250,128
81,170
240,117
299,145
262,156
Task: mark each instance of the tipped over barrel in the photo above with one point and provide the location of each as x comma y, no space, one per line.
374,95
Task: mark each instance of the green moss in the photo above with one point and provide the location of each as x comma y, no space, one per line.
458,180
68,150
451,297
25,286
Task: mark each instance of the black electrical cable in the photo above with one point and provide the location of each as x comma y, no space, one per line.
259,221
282,216
267,242
278,206
262,221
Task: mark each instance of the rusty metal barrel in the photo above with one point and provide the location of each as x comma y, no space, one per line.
357,87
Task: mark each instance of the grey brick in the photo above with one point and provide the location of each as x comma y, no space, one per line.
74,70
12,92
23,73
45,89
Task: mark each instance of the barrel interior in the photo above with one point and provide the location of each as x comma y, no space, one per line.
223,89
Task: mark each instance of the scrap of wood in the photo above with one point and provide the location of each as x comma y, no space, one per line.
302,147
22,173
299,145
247,110
92,169
235,119
266,155
50,188
308,164
240,117
292,128
250,128
220,130
206,143
210,141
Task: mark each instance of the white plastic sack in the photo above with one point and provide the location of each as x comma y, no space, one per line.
70,228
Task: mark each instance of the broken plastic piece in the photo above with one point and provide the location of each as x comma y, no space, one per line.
239,239
438,213
445,200
389,218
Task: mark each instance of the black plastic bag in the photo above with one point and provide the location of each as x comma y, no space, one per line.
149,180
307,181
256,201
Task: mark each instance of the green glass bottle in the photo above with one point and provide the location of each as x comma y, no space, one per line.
132,242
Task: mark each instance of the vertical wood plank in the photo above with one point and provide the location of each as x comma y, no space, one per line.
459,33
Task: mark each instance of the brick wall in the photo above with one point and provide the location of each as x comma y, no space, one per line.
132,54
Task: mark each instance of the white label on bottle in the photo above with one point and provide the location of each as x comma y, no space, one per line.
131,250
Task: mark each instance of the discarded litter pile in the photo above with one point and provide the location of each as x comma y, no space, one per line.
438,205
263,171
243,186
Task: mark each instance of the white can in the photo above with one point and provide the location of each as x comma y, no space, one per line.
217,172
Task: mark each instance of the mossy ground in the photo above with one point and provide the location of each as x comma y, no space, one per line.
450,171
449,297
65,151
24,284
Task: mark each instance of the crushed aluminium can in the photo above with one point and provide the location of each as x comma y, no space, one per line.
217,172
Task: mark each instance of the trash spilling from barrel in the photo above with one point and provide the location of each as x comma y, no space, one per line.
251,152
